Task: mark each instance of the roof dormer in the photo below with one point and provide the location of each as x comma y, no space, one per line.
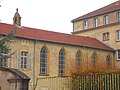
17,18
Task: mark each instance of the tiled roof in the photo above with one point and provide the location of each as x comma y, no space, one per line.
109,8
32,33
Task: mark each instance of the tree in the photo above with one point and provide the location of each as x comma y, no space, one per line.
5,42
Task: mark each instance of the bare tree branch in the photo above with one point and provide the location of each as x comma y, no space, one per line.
0,3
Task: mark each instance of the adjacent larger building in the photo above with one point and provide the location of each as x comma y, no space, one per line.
103,24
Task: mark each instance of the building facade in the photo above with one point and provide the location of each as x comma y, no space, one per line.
45,54
103,24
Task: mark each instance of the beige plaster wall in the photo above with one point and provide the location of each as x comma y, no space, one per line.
98,33
78,26
53,57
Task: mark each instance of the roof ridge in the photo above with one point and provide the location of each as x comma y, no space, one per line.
105,44
36,29
94,11
54,37
7,24
57,32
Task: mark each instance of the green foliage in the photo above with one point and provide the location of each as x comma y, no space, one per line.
5,42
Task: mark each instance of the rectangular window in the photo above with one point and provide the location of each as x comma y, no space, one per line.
118,54
106,36
86,24
95,22
118,17
3,59
25,42
24,59
6,58
106,20
118,36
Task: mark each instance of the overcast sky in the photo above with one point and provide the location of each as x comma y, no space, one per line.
53,15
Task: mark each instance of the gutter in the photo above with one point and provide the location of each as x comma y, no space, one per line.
106,44
95,28
34,64
80,18
67,43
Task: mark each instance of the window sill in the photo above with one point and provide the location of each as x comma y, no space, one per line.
118,60
117,40
25,44
95,26
61,75
86,29
100,26
44,74
106,40
24,69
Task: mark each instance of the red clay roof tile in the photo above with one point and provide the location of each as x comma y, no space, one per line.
32,33
109,8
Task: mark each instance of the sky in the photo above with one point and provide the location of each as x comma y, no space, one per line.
52,15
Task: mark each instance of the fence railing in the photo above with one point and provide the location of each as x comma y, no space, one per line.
96,81
104,81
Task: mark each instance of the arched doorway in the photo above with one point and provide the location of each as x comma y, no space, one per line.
12,79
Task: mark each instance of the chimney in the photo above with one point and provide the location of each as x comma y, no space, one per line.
118,1
17,19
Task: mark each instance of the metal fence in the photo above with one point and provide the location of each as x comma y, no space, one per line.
103,81
97,81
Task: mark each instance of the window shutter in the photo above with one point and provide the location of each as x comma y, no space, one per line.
30,61
18,59
10,60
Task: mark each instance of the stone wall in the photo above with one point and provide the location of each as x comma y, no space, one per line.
53,57
98,33
78,26
12,79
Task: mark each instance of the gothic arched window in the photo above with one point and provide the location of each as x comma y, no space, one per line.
43,61
108,60
78,58
62,60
